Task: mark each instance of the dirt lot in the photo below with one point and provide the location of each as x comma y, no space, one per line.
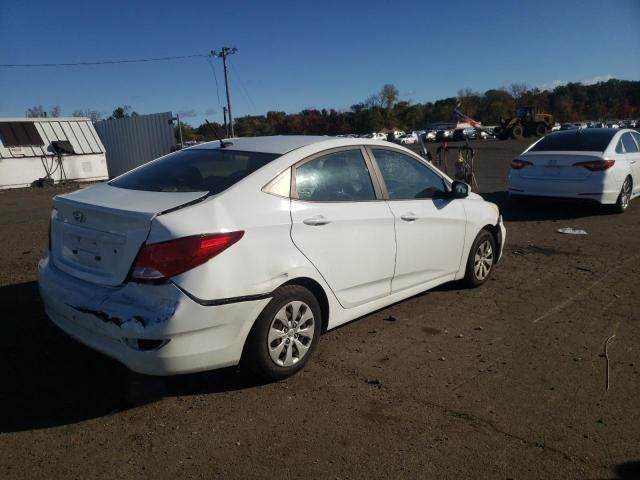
504,381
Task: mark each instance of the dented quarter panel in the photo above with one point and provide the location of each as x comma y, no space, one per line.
260,262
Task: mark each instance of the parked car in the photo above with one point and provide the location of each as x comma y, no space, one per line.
444,135
408,139
430,136
601,165
246,250
462,134
395,135
485,135
556,127
374,136
568,126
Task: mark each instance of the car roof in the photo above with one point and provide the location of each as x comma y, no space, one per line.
278,144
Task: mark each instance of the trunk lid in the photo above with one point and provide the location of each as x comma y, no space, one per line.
96,232
557,165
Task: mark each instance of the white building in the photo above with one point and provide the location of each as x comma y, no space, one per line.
56,148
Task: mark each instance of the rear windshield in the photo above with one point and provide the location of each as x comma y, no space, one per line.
591,140
194,170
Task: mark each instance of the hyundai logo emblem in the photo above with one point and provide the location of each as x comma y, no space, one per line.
79,217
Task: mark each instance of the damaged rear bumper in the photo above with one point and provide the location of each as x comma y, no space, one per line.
117,321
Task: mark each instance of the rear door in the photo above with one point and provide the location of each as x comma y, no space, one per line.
430,231
341,225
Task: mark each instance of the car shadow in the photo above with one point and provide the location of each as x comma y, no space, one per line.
51,380
539,209
626,471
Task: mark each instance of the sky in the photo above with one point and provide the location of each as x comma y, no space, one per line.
302,54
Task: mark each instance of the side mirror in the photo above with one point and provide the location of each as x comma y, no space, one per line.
459,190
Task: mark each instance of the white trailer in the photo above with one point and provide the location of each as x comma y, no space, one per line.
59,149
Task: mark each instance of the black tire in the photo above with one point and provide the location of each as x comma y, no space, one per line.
625,196
256,354
474,277
517,132
517,200
541,130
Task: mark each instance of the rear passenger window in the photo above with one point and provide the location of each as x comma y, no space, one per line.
336,177
629,145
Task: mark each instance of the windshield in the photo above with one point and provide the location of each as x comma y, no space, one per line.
575,140
194,170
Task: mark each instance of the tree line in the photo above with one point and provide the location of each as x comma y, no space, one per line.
38,111
613,99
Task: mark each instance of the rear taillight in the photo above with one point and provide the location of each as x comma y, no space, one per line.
518,164
596,165
157,261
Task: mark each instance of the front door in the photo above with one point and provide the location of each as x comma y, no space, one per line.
430,229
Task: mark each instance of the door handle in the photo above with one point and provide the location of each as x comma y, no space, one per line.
317,220
409,217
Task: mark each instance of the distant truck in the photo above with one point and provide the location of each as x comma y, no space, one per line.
526,122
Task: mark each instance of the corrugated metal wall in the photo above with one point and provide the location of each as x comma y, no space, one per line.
132,141
78,131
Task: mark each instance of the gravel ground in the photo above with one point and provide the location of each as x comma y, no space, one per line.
504,381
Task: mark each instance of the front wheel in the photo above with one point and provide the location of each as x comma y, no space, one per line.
285,334
482,257
625,196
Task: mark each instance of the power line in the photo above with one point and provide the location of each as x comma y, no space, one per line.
235,72
106,62
213,68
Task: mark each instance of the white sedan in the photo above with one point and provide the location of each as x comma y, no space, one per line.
598,164
246,250
408,139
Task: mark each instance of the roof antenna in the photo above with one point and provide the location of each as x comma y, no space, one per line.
215,132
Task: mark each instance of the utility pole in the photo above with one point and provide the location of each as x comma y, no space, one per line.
180,130
223,54
226,127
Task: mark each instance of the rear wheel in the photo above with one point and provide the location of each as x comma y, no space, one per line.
285,334
541,130
625,196
482,257
517,132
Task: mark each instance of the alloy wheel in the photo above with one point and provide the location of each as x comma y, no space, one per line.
291,333
625,194
483,260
